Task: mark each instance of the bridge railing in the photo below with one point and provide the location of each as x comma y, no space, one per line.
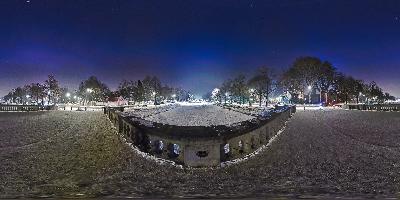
20,108
376,107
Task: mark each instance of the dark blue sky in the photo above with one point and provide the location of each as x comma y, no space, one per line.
194,44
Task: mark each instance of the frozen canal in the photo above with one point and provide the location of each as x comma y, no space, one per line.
199,115
321,154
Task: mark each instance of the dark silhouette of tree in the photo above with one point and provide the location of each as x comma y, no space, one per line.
388,97
140,92
325,78
226,89
19,94
292,83
37,91
93,89
52,88
152,88
358,87
263,84
240,89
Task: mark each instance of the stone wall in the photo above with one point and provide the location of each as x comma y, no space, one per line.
199,146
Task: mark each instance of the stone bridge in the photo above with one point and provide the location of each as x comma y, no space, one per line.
198,146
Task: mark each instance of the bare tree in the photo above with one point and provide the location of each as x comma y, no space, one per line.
263,84
53,89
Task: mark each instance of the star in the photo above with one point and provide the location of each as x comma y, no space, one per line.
28,1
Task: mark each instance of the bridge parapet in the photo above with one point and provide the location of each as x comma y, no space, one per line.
199,146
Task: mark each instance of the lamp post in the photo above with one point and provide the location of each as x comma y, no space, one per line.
48,96
68,95
88,91
251,91
309,94
27,98
155,98
173,97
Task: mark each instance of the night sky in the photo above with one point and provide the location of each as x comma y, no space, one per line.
194,44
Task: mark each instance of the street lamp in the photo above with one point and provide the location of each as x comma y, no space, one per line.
309,94
251,95
88,90
155,98
27,97
68,95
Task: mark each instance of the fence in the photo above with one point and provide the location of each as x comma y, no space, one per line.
376,107
20,108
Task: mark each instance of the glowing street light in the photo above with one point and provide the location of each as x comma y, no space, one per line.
174,95
68,94
154,93
89,90
75,97
28,96
309,87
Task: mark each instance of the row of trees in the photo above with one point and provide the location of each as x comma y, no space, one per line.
242,90
308,74
150,89
92,89
305,76
49,90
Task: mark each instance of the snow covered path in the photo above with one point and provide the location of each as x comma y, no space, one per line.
199,115
321,154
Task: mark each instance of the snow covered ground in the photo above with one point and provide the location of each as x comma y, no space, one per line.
321,154
199,115
248,110
143,112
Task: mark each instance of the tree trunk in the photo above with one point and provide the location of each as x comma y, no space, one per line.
320,96
260,96
326,98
